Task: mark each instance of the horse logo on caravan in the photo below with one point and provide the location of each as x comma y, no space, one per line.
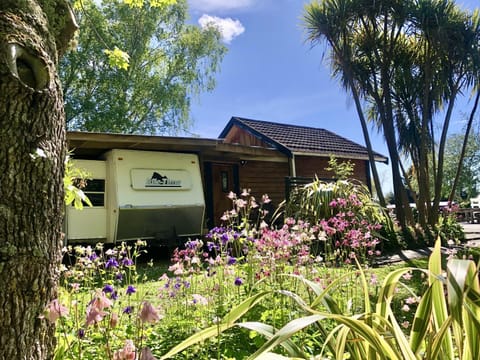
158,180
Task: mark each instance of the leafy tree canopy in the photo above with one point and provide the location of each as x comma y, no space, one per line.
136,67
469,176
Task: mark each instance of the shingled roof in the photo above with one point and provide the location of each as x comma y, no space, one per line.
303,140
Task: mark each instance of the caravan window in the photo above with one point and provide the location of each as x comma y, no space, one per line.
95,191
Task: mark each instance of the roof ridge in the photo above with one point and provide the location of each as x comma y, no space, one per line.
240,118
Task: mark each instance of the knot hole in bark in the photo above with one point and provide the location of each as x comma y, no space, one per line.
28,68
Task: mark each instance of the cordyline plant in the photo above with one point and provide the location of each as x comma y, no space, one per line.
446,324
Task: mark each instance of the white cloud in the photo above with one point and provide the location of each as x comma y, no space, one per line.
228,27
220,5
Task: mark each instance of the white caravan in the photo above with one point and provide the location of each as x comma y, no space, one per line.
139,195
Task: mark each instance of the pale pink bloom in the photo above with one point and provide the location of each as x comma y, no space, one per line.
75,286
240,203
407,276
410,300
265,199
146,354
406,324
113,320
253,203
232,195
224,217
148,313
245,192
406,308
199,299
263,225
101,301
55,310
127,353
94,315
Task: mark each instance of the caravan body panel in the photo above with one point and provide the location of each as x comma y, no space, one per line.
151,195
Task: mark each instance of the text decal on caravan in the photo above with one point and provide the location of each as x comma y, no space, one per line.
160,179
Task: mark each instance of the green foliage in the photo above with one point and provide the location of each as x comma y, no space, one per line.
469,176
408,61
342,171
312,203
444,327
73,181
137,66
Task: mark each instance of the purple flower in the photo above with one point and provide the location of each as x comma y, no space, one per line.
130,290
111,263
238,281
128,310
127,262
231,260
108,289
224,238
119,276
81,333
114,295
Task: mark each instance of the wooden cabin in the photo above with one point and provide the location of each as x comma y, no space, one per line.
258,155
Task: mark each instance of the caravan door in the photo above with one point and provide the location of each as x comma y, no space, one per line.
90,223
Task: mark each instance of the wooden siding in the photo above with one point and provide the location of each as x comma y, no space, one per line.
264,177
307,166
237,135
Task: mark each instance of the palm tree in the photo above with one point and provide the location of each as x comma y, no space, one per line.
350,28
409,60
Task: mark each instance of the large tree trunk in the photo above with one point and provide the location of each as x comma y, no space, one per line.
32,153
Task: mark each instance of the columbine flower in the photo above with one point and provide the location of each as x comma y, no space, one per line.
111,263
148,313
94,315
127,353
238,281
127,310
113,320
199,300
108,289
130,290
127,262
55,310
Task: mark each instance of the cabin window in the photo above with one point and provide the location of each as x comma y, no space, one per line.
224,180
94,189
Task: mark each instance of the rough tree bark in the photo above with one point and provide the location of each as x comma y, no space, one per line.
32,151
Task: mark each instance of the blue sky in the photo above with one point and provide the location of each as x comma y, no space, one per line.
271,73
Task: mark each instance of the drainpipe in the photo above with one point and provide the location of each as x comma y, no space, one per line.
293,168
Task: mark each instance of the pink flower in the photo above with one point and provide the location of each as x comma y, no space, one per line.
94,315
148,313
55,310
113,320
407,276
101,301
410,300
127,353
406,308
